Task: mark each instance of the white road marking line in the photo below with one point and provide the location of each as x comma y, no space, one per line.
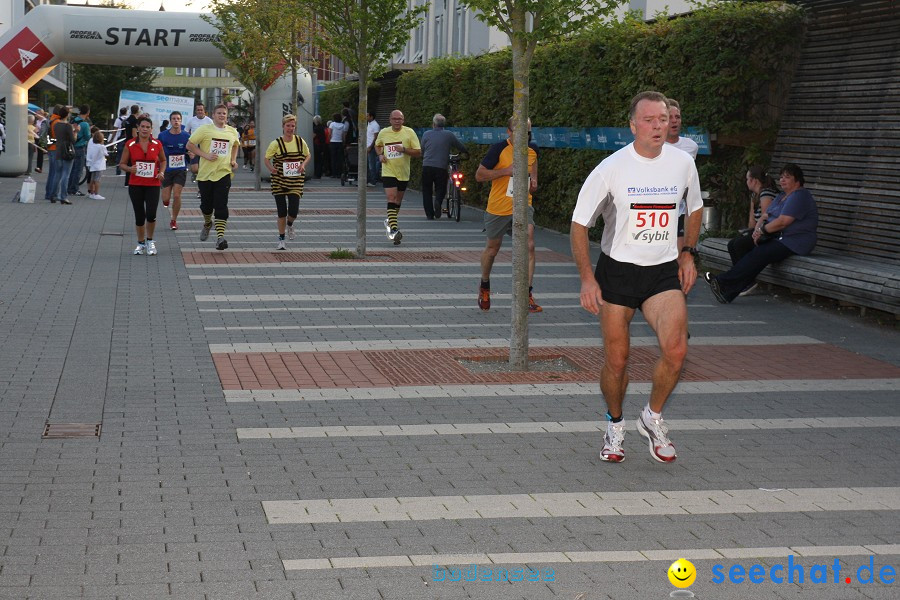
494,343
437,326
581,556
556,390
244,433
580,504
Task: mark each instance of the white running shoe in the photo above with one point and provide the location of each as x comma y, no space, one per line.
657,433
281,245
151,248
139,249
612,442
290,232
387,229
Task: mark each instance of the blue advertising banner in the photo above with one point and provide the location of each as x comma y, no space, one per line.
593,138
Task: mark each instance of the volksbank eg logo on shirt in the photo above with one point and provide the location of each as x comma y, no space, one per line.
653,190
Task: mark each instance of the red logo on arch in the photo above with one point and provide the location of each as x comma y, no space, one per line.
24,54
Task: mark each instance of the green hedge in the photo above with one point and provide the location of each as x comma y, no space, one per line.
331,98
724,64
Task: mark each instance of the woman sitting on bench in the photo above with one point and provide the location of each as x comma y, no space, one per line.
790,228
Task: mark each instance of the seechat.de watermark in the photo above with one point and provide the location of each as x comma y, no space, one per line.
794,572
487,574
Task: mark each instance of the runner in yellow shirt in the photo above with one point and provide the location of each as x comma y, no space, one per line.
217,146
395,146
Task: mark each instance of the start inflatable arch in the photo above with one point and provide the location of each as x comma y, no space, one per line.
51,34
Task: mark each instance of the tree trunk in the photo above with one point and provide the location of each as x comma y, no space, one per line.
257,182
518,337
361,166
293,67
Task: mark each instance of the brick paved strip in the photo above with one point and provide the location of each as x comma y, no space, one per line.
558,389
494,343
433,255
416,367
580,504
556,427
530,558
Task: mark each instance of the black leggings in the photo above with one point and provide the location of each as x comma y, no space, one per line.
288,204
214,197
144,199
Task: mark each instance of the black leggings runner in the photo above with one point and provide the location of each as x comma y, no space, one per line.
288,204
214,197
145,200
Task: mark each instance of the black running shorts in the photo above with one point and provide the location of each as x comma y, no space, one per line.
631,285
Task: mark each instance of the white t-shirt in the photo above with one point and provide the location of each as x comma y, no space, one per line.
96,156
638,198
688,145
685,144
372,130
193,123
337,131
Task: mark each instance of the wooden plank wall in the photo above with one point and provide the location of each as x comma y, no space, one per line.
842,125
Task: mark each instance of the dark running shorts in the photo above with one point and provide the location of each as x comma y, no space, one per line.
174,178
393,182
631,285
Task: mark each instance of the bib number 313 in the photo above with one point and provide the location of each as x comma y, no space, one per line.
649,224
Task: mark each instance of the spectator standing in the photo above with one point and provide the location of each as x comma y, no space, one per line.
320,147
338,130
96,164
49,192
436,145
118,138
30,138
248,144
82,126
58,183
42,127
372,163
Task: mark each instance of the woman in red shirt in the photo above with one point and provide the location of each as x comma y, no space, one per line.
144,160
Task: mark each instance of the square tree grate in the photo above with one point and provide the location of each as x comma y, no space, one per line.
71,430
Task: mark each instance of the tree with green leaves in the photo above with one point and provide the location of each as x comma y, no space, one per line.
527,23
251,38
99,86
364,34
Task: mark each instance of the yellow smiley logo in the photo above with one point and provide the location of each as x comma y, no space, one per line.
682,573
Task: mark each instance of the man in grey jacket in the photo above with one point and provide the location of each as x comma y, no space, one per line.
436,146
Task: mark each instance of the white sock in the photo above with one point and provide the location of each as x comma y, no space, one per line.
649,414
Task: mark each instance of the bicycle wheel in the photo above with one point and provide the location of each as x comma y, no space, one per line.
84,177
455,204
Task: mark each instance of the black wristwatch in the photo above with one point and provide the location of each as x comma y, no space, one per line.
691,249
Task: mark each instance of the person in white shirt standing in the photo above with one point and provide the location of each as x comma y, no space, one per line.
374,164
684,144
96,163
637,191
200,118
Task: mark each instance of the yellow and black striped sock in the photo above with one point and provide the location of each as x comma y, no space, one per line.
221,224
392,211
207,220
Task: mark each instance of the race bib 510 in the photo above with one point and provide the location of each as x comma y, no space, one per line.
648,224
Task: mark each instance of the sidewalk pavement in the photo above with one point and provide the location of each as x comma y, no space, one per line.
282,425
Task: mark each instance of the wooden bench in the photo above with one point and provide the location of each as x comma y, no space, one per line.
859,281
